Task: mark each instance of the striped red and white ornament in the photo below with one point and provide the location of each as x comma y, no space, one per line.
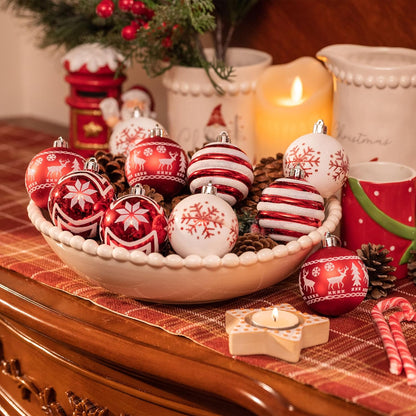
223,164
289,208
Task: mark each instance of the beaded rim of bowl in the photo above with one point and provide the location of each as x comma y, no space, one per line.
174,261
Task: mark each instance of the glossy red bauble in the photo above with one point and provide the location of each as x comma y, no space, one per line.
333,281
105,8
125,5
129,32
134,222
47,167
158,162
78,202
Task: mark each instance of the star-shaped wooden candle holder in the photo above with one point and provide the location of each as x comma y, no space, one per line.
280,331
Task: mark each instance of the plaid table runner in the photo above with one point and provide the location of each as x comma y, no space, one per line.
352,365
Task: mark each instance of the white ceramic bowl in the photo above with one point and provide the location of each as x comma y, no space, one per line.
173,279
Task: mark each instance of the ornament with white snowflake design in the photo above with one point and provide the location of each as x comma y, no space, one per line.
321,157
135,222
79,199
45,169
203,224
159,162
127,133
333,280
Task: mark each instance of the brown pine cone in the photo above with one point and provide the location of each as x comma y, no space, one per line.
112,168
411,267
375,259
252,242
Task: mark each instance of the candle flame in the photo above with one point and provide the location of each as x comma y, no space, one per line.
296,91
275,314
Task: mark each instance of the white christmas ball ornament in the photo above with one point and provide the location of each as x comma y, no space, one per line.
203,224
321,157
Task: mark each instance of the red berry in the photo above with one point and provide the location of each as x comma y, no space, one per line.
129,32
138,8
125,5
105,8
167,42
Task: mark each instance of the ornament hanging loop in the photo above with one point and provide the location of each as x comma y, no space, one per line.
320,127
223,137
60,142
157,131
137,190
331,240
137,112
209,189
92,165
297,172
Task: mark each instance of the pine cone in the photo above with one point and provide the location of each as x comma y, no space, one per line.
252,242
411,267
112,168
375,259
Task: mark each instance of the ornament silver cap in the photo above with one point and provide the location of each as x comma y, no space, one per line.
297,172
92,164
209,189
331,240
223,137
137,190
320,127
60,142
157,131
137,113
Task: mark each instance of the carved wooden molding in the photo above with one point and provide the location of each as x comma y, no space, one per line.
85,407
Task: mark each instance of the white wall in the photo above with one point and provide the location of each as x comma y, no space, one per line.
32,80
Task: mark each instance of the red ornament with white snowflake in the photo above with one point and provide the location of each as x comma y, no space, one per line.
135,222
224,165
158,162
333,280
127,133
47,167
203,224
290,208
321,157
79,200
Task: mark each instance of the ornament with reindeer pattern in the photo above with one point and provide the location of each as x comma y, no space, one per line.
158,162
333,280
127,133
79,200
321,157
47,167
135,222
224,165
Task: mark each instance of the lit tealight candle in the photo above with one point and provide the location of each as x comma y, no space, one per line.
275,319
289,99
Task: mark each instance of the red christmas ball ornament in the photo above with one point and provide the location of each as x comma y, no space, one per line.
125,5
139,8
158,162
223,164
79,200
289,208
105,8
134,222
129,32
47,167
333,280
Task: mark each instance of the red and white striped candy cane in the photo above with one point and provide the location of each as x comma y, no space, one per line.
405,355
393,355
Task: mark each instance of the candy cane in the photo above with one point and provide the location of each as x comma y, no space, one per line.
405,355
393,355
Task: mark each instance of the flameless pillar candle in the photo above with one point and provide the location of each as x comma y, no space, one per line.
289,99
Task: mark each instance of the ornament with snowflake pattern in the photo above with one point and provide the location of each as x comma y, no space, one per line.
203,224
79,199
135,222
321,157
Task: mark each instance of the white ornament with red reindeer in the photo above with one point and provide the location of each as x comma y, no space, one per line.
290,208
159,162
47,167
134,222
333,280
321,157
223,164
203,224
79,200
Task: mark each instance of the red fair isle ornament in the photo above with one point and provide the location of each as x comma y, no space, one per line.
127,133
224,165
79,200
290,208
47,167
135,222
203,224
333,280
158,162
321,157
